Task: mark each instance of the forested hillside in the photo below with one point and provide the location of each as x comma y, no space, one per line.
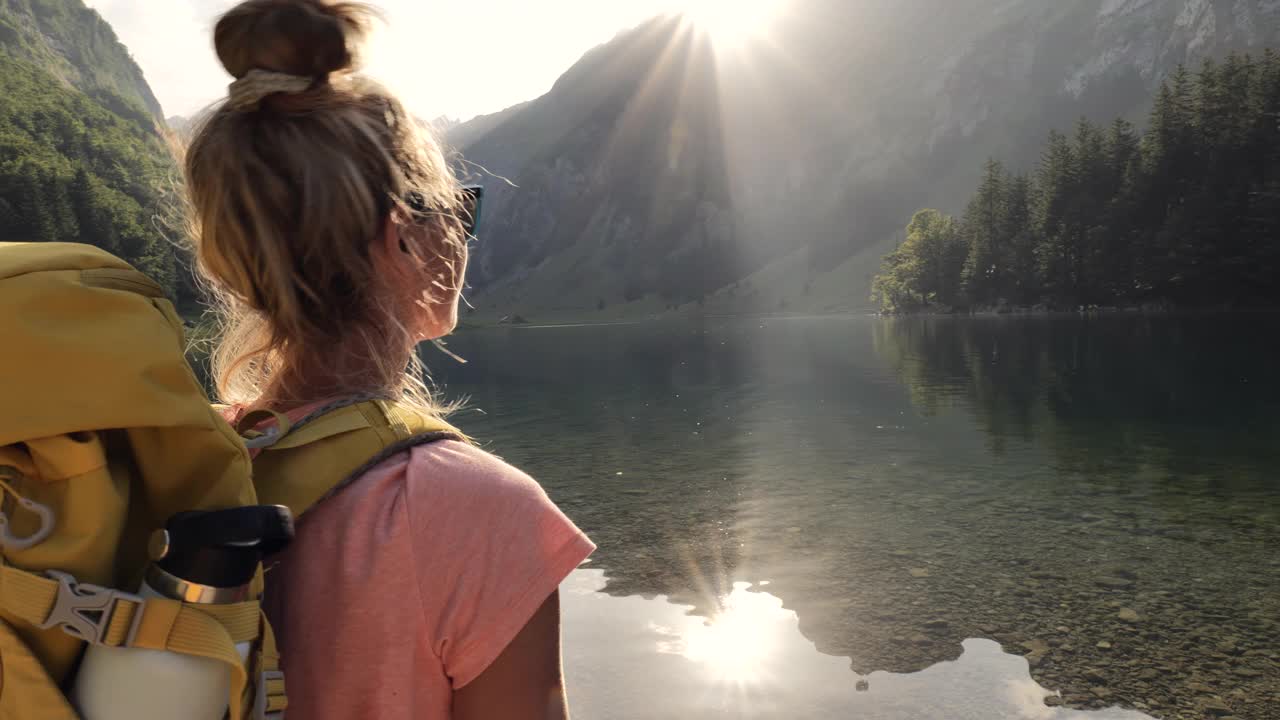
1186,214
74,44
81,158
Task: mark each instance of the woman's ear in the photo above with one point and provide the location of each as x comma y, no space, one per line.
392,243
390,261
392,249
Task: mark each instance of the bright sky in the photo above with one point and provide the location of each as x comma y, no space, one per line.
457,57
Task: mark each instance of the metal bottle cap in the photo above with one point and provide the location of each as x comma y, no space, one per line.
213,556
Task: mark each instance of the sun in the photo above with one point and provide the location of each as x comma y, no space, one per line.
738,645
732,23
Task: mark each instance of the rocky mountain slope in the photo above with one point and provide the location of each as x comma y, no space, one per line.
618,181
73,43
809,153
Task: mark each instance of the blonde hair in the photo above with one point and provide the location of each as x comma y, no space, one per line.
290,183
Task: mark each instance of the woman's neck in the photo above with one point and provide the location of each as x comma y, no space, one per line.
297,390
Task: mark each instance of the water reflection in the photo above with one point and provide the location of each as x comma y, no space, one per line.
738,642
750,661
1108,394
1098,497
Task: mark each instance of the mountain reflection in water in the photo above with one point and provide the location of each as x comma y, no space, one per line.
1098,494
631,657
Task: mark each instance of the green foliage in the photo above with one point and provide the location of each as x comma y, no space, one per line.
76,45
1187,214
925,271
73,170
986,268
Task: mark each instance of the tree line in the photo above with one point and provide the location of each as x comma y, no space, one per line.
1185,214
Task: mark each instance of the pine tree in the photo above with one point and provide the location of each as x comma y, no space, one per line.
1189,213
1167,156
1087,228
1262,224
1118,244
1057,181
8,219
986,264
38,223
1019,228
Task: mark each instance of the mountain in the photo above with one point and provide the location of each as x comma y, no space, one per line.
463,134
618,184
178,123
82,156
821,143
73,43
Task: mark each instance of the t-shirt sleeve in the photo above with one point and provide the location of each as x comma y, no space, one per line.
489,548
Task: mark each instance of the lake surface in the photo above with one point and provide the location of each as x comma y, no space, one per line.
924,517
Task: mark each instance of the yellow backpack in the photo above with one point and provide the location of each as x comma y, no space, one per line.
105,432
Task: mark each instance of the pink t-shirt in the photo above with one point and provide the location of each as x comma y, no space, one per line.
409,583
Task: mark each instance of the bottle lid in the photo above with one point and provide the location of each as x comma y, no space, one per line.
221,548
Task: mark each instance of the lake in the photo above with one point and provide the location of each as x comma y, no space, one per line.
904,518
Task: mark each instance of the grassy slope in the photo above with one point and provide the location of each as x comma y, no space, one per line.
779,287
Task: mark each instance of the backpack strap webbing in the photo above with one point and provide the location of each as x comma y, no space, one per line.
104,616
390,452
319,455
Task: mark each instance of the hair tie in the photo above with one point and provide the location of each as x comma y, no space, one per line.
248,92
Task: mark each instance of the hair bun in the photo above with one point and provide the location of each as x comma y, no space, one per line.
309,38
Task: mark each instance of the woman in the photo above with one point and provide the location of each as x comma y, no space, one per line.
328,226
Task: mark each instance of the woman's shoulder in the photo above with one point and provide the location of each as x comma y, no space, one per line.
489,548
463,476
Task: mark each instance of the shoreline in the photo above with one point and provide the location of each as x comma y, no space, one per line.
569,319
1084,311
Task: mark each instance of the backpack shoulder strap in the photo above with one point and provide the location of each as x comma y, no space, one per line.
301,463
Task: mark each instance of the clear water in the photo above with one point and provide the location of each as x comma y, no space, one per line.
1097,495
638,658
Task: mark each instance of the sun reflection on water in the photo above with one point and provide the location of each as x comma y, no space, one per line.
737,643
751,662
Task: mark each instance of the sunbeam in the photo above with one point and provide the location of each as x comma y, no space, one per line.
731,24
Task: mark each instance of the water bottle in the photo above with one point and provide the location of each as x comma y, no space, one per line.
198,557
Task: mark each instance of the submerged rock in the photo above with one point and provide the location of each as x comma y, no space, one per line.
1114,583
1037,650
1216,708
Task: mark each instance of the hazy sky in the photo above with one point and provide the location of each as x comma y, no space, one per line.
459,58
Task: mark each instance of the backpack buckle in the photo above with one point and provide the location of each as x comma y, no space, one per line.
262,697
85,611
8,540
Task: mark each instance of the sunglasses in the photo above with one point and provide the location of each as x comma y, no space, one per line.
472,197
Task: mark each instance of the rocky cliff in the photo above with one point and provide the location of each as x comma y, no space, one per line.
77,46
